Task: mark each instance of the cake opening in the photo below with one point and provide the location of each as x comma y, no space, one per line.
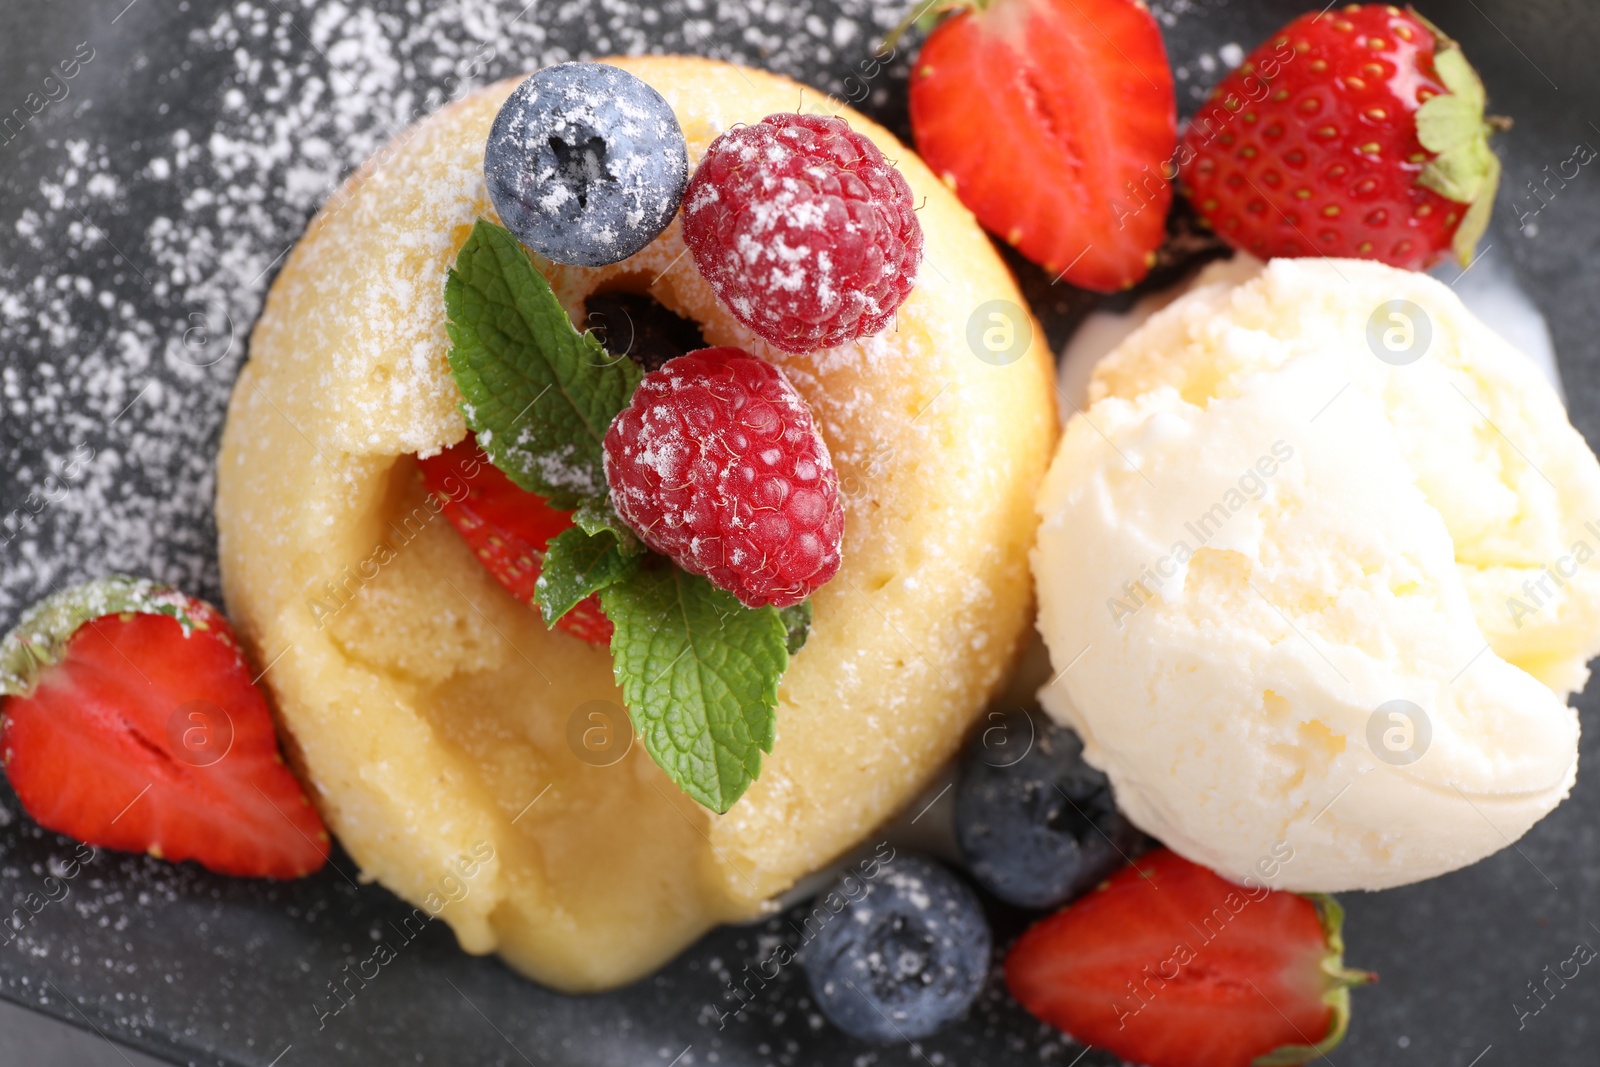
641,327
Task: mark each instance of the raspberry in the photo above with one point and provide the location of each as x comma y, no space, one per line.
804,230
717,464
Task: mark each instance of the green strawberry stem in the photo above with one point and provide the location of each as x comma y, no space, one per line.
1340,979
1452,126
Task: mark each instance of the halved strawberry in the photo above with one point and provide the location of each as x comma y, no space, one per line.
1167,964
507,528
129,721
1054,121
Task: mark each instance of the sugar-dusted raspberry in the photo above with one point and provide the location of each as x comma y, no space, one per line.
717,464
803,229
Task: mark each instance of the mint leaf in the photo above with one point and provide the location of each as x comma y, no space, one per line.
596,515
575,565
699,672
796,624
539,394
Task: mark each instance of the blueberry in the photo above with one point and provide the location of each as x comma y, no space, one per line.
1036,824
906,954
585,163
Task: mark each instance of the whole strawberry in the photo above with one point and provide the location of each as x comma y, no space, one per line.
1356,133
716,463
1054,122
1168,965
804,230
129,720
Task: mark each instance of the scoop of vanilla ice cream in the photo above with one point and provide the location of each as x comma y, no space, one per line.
1305,600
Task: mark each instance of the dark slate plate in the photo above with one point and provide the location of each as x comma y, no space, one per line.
144,204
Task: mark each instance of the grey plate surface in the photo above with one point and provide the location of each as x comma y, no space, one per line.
143,210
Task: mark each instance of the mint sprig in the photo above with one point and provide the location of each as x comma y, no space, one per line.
577,564
699,672
538,393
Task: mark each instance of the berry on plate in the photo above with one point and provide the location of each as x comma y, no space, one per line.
1168,965
804,230
507,528
585,163
1054,122
1036,824
1356,133
128,720
716,463
907,954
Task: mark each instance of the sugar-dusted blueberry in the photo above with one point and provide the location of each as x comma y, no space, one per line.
906,955
585,163
1036,824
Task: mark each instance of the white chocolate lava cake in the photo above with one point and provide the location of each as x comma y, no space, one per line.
427,709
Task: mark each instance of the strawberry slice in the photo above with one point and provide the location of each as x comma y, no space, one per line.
129,721
507,528
1054,122
1167,964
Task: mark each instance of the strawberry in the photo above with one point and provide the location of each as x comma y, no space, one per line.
507,528
1167,964
1054,121
1349,133
129,721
